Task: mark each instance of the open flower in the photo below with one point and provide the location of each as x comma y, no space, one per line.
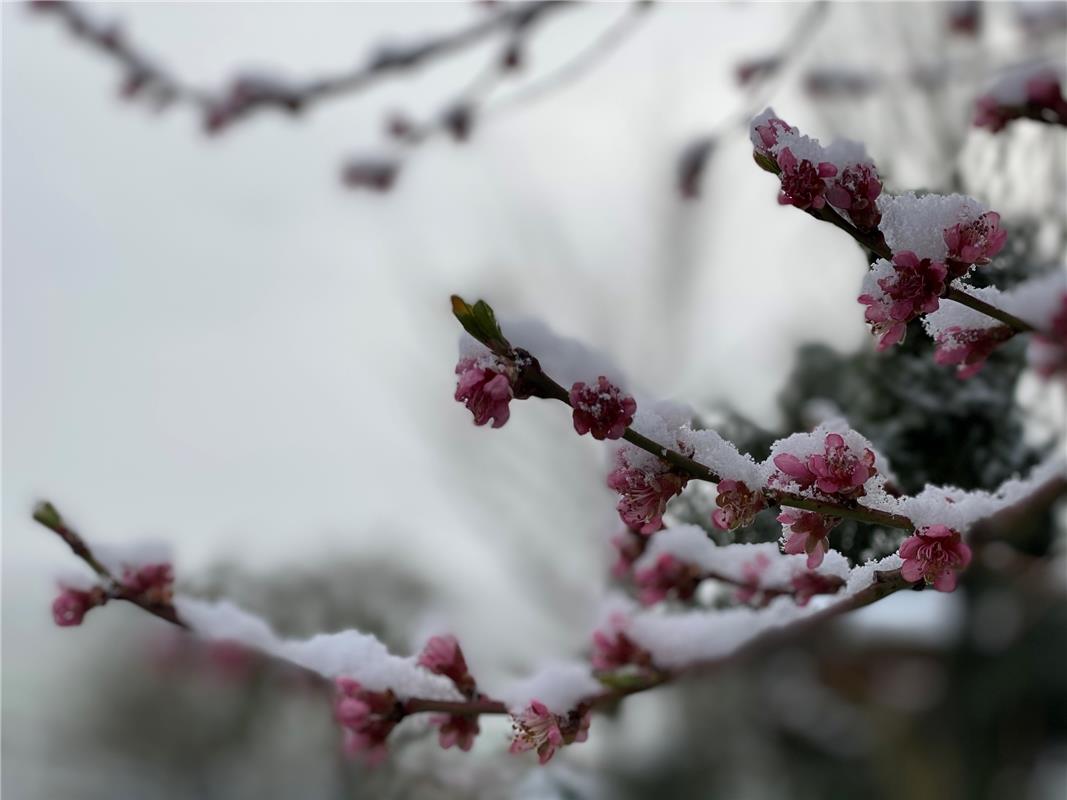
807,532
537,728
836,471
601,410
935,555
910,287
974,242
485,390
644,490
737,505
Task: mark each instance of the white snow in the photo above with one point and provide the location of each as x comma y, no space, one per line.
689,637
918,224
349,654
559,685
721,457
960,509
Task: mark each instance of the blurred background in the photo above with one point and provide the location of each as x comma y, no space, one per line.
238,340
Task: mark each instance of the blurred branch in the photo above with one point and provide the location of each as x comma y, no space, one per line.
46,514
251,93
472,105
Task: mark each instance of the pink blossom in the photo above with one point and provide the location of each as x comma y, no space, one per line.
152,583
968,348
935,555
856,191
613,649
1048,350
667,576
915,285
974,242
366,717
629,545
914,288
645,492
71,606
836,471
443,655
803,183
751,574
485,391
888,330
807,532
456,730
768,131
737,505
807,584
601,410
537,728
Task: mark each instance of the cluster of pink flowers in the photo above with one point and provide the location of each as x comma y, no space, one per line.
71,606
836,471
645,491
968,348
807,532
485,389
367,719
1043,99
442,655
537,728
803,183
737,505
668,576
974,242
613,649
1048,350
934,555
914,288
856,191
601,410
